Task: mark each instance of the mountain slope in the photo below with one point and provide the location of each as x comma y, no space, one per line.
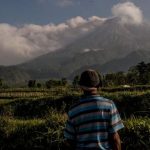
116,65
125,63
110,47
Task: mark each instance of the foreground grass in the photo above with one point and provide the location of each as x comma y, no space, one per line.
128,103
136,134
36,120
48,133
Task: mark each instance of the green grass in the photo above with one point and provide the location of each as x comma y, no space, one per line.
48,132
32,133
136,134
36,120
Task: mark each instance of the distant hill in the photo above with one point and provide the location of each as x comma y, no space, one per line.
117,65
110,47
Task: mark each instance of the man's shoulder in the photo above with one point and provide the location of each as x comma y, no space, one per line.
104,101
75,105
86,100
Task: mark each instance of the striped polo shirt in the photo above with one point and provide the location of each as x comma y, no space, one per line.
91,121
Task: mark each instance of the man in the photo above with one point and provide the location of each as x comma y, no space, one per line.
94,122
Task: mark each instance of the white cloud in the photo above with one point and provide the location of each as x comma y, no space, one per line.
77,21
128,13
20,44
86,50
96,18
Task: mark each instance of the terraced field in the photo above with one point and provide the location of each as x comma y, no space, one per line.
35,118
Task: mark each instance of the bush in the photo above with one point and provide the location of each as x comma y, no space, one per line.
31,83
131,103
136,134
20,133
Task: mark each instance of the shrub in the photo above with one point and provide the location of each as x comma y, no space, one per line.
31,83
136,134
20,133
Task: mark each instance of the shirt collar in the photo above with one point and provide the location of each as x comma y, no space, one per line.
88,97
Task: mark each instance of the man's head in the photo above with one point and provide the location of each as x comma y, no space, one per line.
89,80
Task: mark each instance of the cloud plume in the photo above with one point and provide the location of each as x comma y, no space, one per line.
19,44
128,13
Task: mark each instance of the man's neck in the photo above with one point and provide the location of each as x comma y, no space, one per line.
94,92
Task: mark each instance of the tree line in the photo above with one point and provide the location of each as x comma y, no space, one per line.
136,75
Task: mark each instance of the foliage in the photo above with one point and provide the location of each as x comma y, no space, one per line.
64,82
35,118
136,75
48,133
39,85
136,134
20,133
137,88
76,81
53,83
1,83
31,83
112,79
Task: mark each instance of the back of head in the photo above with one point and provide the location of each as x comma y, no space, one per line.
90,79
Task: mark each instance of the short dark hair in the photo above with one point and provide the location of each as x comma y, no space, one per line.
90,78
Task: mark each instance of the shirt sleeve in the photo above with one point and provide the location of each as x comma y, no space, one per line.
69,131
115,120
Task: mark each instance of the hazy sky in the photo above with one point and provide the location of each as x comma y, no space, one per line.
18,12
30,28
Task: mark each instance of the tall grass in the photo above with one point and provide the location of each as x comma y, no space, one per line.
136,134
37,121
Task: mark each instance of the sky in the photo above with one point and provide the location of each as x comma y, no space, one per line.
30,28
18,12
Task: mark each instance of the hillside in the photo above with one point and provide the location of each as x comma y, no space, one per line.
110,47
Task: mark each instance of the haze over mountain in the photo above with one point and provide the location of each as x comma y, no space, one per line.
112,44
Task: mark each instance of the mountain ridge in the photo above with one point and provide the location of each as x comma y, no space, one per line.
111,46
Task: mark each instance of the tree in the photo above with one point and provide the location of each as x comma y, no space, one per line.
148,70
109,79
120,78
142,69
39,85
31,83
100,79
1,83
76,80
133,76
48,84
64,81
139,74
115,79
52,83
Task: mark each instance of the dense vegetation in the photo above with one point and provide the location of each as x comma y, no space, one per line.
136,75
34,118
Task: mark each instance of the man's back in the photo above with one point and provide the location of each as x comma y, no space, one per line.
91,122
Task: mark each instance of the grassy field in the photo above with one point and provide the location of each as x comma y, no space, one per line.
35,118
